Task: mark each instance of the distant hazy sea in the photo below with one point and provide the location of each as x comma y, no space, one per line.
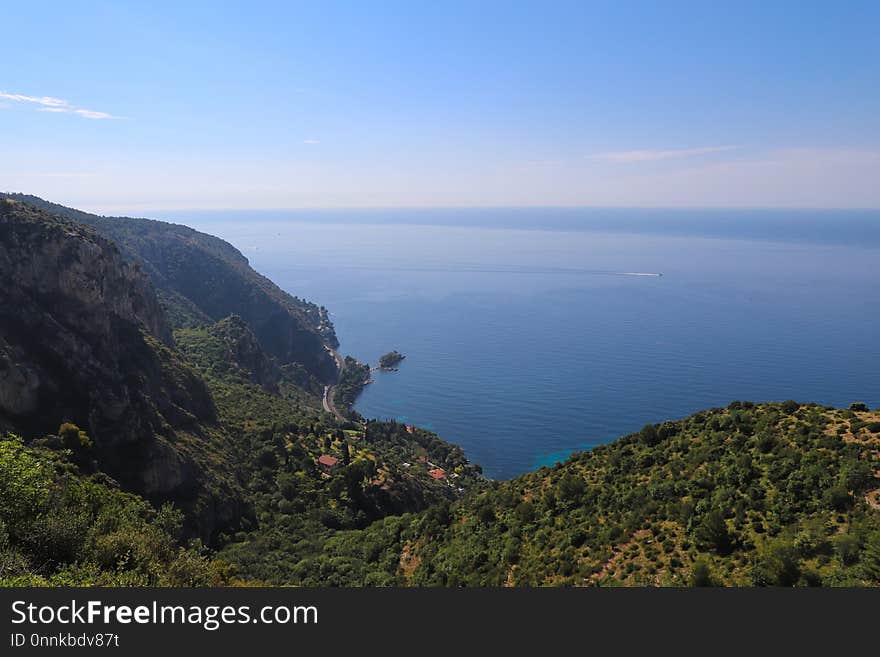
525,340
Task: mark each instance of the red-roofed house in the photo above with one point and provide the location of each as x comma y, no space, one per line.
410,429
327,463
437,473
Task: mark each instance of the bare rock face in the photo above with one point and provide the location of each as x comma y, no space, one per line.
201,279
18,383
84,339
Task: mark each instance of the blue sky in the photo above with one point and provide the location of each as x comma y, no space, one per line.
124,106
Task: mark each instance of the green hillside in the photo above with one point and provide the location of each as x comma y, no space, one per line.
62,527
141,450
766,494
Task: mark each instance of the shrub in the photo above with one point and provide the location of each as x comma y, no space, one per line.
812,578
701,575
846,547
649,435
524,512
486,514
777,566
856,475
73,437
571,487
712,533
789,406
838,498
871,558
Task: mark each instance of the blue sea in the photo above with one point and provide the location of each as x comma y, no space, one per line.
529,334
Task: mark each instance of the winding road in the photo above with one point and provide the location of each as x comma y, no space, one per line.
328,390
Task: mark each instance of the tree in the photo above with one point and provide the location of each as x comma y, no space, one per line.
712,533
871,557
838,498
524,512
649,435
777,566
486,514
859,407
846,546
571,487
856,475
73,437
701,575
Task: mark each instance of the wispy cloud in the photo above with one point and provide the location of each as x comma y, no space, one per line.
311,141
92,114
56,105
47,101
654,155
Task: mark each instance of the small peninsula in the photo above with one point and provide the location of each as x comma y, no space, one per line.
388,361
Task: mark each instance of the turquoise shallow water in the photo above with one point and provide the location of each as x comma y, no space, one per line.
526,339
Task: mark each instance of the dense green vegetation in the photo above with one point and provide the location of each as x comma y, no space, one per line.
229,350
299,507
225,438
391,359
62,527
769,494
83,339
750,495
355,375
297,515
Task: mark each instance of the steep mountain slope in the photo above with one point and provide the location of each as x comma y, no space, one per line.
84,340
85,343
202,279
768,494
207,418
230,348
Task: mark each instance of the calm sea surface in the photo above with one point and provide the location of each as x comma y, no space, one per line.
528,337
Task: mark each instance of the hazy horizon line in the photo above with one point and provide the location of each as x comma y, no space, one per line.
422,208
118,210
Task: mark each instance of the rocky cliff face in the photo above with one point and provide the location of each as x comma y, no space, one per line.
201,279
83,339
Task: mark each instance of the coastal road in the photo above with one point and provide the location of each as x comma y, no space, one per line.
328,390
